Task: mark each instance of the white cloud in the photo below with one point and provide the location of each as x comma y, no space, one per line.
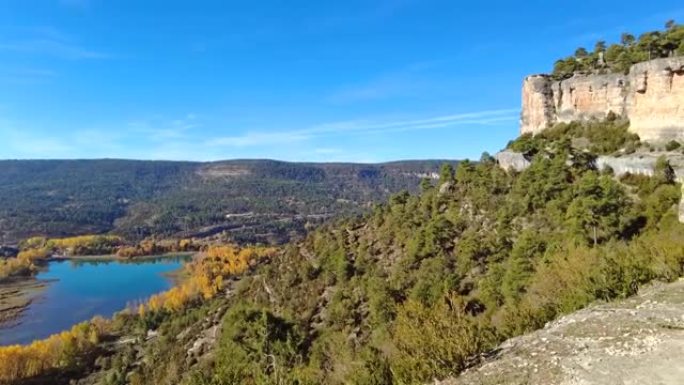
367,127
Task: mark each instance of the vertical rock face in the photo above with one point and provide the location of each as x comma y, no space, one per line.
657,101
538,107
651,96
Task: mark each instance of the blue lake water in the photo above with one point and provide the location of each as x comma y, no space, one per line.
78,290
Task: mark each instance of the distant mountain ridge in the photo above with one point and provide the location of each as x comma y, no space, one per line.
256,200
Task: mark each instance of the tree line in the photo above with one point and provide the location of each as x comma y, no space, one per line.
619,57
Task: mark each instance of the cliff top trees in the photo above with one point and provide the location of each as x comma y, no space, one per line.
619,57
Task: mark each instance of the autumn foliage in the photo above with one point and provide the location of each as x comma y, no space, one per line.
23,264
65,350
15,267
152,247
207,276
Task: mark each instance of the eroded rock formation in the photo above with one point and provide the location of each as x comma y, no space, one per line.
651,96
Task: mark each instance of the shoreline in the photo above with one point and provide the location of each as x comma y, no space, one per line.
114,257
17,293
15,297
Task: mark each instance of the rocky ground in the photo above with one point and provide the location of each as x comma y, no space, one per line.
636,341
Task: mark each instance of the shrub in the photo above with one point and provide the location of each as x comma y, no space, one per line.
435,341
672,145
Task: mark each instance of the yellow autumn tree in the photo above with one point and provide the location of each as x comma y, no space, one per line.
59,351
207,276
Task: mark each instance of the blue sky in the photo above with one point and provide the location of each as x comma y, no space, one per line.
355,80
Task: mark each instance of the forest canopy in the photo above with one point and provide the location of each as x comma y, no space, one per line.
620,56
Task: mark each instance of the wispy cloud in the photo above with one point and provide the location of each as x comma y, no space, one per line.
49,41
381,88
367,127
172,140
52,48
27,76
398,83
160,129
188,138
24,144
259,139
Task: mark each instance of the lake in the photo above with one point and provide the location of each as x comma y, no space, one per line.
78,290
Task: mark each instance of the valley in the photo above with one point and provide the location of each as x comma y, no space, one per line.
558,260
254,200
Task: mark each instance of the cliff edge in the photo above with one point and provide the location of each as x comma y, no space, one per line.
651,96
639,340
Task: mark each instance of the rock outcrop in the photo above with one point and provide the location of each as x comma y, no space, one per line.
651,96
511,160
636,341
641,163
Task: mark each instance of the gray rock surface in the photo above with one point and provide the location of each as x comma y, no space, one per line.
510,160
637,341
642,163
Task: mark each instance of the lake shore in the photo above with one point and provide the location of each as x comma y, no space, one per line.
16,295
114,257
71,277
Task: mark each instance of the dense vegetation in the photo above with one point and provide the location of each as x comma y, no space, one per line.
137,199
598,137
621,56
418,288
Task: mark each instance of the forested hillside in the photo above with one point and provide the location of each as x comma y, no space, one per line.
422,285
414,290
256,200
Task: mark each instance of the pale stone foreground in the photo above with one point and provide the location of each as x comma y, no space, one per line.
636,341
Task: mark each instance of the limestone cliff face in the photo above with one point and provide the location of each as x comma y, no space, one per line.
657,102
651,96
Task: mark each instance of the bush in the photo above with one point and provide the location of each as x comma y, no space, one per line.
672,145
435,341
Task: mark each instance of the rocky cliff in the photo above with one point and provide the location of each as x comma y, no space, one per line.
651,96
